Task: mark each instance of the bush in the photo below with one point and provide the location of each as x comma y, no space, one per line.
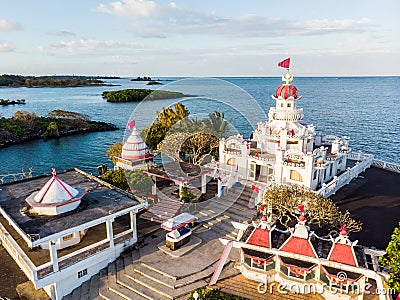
186,194
117,178
216,294
139,181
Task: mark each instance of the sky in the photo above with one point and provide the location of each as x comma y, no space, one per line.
192,38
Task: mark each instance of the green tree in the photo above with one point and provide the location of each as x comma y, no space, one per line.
284,199
217,125
117,178
51,130
139,181
114,151
392,260
167,118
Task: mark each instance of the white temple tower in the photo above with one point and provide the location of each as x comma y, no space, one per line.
283,149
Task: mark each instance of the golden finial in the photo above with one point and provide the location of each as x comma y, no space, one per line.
287,78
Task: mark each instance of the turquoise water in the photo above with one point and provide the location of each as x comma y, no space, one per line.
364,108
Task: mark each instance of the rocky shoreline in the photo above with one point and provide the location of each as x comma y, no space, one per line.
8,138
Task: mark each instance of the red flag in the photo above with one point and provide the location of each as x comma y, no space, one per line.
131,124
254,188
284,63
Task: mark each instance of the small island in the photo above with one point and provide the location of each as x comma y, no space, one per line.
11,102
25,126
153,82
134,95
7,80
144,78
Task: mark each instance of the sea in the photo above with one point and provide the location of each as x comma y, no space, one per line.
367,109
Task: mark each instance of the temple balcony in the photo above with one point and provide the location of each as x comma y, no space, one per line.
286,115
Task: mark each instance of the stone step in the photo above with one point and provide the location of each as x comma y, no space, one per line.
107,294
139,289
85,289
94,286
162,290
124,292
238,216
227,227
174,283
220,232
219,207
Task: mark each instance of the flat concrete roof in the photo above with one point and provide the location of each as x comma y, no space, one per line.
100,201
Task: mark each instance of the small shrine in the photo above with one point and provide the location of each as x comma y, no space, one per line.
55,197
135,153
179,233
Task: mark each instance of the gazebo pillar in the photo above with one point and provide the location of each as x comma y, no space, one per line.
132,215
204,183
154,187
219,188
110,234
53,255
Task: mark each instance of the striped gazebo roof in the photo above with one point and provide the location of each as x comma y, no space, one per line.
135,148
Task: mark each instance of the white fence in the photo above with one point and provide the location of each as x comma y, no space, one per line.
364,161
376,162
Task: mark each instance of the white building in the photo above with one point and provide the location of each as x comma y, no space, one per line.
285,150
57,248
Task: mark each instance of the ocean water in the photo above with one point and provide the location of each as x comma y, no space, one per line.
367,109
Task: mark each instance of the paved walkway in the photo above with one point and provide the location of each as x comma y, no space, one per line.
374,199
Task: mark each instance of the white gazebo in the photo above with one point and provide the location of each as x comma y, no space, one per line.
55,197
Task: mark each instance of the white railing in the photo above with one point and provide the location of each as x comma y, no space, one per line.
17,253
351,173
287,115
376,162
386,165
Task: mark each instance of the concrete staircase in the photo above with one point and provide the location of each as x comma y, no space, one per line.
128,279
149,273
236,206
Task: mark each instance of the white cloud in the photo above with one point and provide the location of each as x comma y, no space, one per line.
130,8
6,47
66,33
9,25
91,45
150,18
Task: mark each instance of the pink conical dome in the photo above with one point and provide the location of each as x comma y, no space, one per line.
55,197
55,191
135,148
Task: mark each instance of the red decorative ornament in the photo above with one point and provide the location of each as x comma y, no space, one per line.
343,230
262,207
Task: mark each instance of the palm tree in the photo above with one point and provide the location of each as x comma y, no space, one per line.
217,125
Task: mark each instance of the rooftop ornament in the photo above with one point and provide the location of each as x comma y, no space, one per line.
55,197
